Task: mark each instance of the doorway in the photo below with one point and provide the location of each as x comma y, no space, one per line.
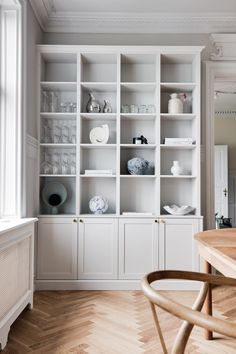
225,149
213,73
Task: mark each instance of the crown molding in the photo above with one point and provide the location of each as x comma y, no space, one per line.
42,10
96,22
224,46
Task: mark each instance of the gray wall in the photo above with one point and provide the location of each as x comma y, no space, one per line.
130,39
34,36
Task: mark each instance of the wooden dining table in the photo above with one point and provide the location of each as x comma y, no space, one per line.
217,248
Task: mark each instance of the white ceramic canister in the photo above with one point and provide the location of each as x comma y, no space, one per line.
175,105
176,170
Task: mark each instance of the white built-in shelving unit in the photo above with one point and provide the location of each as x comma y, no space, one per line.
123,76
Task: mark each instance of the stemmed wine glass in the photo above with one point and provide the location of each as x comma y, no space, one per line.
56,163
73,163
46,166
65,164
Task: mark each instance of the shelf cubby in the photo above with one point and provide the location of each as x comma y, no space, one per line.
138,94
96,157
178,67
186,158
188,107
179,191
97,67
59,67
131,127
178,129
101,92
66,92
98,186
128,153
50,124
68,207
138,67
141,195
90,122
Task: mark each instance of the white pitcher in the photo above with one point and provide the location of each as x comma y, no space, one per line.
175,105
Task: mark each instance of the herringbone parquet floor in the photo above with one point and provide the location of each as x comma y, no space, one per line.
109,322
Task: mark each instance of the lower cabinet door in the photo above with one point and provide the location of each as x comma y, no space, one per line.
98,248
57,248
138,247
178,245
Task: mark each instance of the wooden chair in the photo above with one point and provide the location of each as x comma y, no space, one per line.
191,316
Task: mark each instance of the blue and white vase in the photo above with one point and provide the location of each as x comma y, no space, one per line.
98,204
138,166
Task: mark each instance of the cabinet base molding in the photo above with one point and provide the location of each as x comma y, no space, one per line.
111,285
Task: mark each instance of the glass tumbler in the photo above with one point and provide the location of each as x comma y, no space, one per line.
125,108
142,108
133,108
151,108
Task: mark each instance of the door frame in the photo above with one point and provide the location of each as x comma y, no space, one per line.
212,72
222,149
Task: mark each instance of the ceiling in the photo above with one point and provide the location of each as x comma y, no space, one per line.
136,16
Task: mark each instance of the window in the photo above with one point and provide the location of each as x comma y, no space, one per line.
11,110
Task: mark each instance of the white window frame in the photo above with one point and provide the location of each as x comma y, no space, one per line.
12,109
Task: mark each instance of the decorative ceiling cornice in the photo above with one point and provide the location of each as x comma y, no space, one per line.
108,22
42,10
224,45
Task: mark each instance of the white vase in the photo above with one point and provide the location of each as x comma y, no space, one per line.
176,170
175,105
99,135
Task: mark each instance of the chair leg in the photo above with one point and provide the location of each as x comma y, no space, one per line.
186,328
208,302
158,328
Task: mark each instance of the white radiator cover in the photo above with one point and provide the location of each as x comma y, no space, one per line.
16,275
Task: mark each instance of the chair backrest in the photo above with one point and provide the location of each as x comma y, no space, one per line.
191,316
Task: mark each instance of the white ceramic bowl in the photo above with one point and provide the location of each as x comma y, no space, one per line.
177,210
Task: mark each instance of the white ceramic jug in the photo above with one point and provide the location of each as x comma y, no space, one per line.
175,105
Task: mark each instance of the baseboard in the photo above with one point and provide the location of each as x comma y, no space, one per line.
112,285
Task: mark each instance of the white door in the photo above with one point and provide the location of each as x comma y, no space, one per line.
57,248
98,248
138,247
178,244
221,180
